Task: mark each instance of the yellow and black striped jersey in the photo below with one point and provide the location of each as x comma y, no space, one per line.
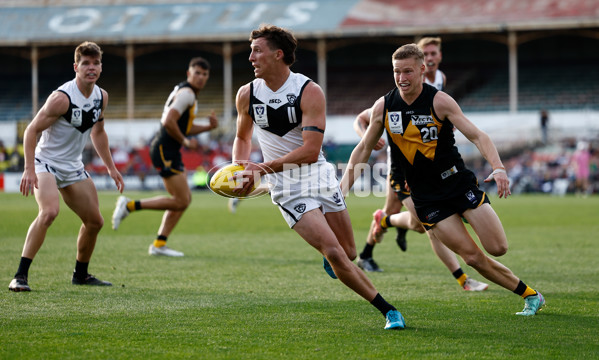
423,146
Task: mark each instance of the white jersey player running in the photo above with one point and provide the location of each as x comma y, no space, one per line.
288,112
298,188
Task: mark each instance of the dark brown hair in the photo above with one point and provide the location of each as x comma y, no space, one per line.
87,48
278,38
201,62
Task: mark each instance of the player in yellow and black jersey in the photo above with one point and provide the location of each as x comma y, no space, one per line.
419,121
176,125
423,146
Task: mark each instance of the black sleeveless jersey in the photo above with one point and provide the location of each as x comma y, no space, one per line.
185,121
423,147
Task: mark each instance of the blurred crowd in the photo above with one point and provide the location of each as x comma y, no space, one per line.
570,166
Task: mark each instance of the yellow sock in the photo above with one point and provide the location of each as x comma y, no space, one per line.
462,279
384,222
529,291
159,243
131,206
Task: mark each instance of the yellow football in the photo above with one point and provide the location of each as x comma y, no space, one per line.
223,182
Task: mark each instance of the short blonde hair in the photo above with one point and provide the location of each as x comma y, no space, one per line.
408,51
429,41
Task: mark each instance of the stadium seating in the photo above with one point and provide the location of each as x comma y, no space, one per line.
15,102
352,85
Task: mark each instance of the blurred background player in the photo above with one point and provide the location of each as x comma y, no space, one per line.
398,195
165,151
72,114
431,48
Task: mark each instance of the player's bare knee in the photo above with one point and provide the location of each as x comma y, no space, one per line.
46,216
333,255
352,254
392,208
182,204
474,260
497,249
94,223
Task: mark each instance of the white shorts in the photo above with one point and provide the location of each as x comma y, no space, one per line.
63,178
324,194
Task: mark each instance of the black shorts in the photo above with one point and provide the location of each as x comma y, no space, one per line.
431,213
398,184
166,160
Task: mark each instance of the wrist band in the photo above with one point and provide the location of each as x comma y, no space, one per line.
499,170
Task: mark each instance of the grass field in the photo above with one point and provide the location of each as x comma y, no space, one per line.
250,288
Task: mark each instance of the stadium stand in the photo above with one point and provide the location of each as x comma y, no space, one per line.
15,87
556,55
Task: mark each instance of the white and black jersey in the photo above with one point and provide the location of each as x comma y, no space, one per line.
438,83
278,118
62,144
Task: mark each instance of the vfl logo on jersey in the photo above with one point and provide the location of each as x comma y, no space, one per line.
422,120
300,208
395,123
76,117
260,115
291,98
471,197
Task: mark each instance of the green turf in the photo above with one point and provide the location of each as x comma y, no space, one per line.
250,288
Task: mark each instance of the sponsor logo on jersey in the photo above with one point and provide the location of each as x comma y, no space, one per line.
274,101
447,173
432,215
86,105
421,120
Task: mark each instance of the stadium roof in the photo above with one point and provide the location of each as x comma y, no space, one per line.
48,22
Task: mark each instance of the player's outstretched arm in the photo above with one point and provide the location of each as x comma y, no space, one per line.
362,151
361,124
